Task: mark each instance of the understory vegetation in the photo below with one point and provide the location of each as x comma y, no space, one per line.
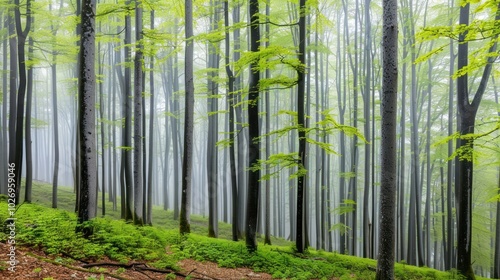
161,245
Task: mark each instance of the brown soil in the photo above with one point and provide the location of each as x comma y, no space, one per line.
34,264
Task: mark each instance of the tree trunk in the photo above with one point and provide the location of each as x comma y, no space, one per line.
188,122
230,99
367,246
253,131
301,178
212,107
12,89
53,68
467,115
138,89
385,263
127,128
86,110
152,109
27,126
17,157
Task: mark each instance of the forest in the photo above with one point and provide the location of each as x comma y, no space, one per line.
365,128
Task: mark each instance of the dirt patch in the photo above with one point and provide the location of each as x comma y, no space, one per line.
34,264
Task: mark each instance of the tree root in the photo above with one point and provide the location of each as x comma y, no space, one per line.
75,267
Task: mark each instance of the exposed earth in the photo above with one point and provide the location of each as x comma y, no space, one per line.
34,264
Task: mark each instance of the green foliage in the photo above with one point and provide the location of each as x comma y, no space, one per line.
469,151
282,161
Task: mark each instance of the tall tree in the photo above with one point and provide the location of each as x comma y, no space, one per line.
86,119
367,246
230,99
128,184
138,101
187,159
53,68
301,178
152,108
27,126
16,155
466,122
385,263
253,131
212,107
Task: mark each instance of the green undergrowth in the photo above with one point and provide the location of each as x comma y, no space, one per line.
52,230
161,218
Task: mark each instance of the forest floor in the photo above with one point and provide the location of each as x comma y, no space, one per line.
49,248
35,264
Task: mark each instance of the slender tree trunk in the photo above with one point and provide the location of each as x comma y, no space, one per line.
53,68
127,128
341,100
366,114
212,107
100,68
27,127
12,89
188,122
138,89
230,98
267,215
301,179
385,263
152,109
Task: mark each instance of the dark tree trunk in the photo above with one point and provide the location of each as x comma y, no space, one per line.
385,263
138,89
22,35
127,128
301,179
466,121
12,88
253,132
86,93
27,126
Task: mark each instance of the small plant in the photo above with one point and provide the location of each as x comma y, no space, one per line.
48,278
170,276
120,270
37,270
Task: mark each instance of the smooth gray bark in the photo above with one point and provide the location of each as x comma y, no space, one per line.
187,158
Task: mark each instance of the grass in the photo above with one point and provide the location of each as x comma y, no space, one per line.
162,246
